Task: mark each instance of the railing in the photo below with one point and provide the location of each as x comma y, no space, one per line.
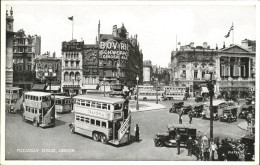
124,128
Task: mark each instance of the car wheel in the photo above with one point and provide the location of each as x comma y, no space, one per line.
158,143
229,120
96,136
103,138
72,129
144,99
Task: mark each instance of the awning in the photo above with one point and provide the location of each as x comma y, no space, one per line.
53,88
38,87
90,87
204,90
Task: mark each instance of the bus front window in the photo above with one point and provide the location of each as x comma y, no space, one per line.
117,106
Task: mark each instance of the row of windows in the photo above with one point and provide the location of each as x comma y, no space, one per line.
176,94
72,55
71,63
63,101
91,121
149,94
37,98
117,106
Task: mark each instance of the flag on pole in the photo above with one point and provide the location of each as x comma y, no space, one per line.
70,18
232,28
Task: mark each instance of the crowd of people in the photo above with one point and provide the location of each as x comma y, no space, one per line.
219,149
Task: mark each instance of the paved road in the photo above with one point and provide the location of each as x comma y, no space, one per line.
59,144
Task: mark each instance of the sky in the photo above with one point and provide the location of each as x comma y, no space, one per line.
156,25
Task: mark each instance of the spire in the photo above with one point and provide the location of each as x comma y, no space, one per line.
224,46
11,12
216,46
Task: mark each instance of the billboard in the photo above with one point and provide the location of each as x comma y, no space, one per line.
113,49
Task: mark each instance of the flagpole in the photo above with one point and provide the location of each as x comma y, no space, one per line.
233,32
72,26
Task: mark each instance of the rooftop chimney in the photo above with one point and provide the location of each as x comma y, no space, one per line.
205,45
216,46
192,44
114,33
224,46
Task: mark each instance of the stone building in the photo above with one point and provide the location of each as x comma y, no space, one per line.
42,64
26,48
71,67
189,65
9,48
147,72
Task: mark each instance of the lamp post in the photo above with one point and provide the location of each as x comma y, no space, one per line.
211,80
137,91
230,79
104,80
50,75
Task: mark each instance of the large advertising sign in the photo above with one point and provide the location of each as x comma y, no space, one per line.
114,49
72,46
146,74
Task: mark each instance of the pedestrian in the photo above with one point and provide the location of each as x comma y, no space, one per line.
205,146
137,133
189,146
180,118
213,148
178,142
190,116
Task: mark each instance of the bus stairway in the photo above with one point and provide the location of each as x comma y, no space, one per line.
18,105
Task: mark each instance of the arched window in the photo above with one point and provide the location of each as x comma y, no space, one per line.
66,76
77,76
72,76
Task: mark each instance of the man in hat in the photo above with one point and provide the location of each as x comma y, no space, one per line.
189,146
178,142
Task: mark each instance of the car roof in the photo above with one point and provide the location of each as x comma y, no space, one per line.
188,126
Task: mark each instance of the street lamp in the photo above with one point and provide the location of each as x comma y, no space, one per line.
50,75
211,80
137,91
104,80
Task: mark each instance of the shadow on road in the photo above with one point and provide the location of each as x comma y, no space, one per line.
59,123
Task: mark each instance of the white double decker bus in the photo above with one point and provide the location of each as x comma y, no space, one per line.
104,119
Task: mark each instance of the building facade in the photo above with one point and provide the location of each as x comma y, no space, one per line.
26,48
71,67
190,64
43,64
9,48
147,72
120,57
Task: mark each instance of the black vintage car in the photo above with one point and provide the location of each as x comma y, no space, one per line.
176,107
197,110
186,109
246,108
249,142
199,98
229,114
168,138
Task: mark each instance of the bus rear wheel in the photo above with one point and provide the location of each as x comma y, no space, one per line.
145,99
96,136
72,129
103,138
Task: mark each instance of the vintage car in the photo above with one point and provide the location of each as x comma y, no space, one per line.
199,98
176,107
186,109
229,114
197,110
216,105
249,142
168,138
246,108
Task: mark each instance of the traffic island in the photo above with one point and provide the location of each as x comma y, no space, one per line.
243,125
145,106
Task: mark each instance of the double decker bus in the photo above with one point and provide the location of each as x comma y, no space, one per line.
63,104
13,99
39,108
149,95
104,119
175,93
